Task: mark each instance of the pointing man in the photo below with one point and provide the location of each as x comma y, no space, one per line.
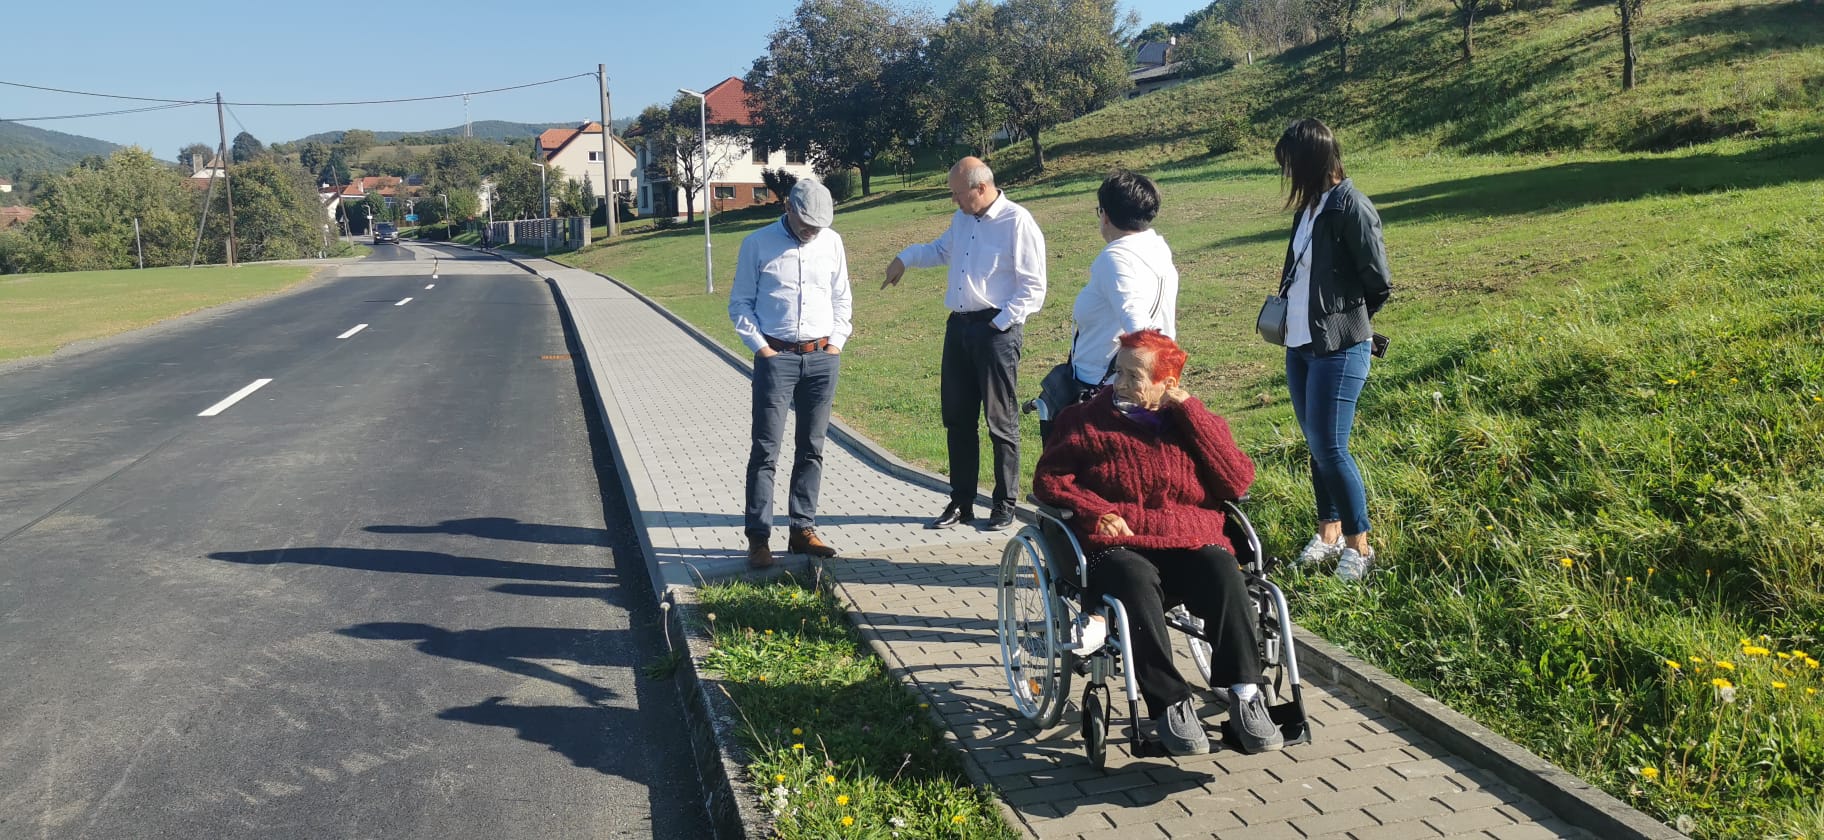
996,256
790,304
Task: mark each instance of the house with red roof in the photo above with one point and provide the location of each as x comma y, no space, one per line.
578,152
734,163
11,216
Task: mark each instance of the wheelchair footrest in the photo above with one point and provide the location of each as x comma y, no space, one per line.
1290,717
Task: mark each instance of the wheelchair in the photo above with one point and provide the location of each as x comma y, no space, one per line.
1043,580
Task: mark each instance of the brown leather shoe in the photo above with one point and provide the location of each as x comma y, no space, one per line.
806,541
759,554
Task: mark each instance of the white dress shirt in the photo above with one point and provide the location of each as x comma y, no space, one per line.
996,260
1298,295
791,290
1132,286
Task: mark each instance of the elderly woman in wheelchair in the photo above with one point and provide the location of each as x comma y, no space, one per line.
1143,478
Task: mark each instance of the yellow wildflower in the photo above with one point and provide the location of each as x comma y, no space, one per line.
1778,685
842,800
797,730
1754,650
1811,691
1719,682
1628,579
1673,664
797,748
848,821
1566,562
829,780
762,678
1783,655
959,819
779,777
1650,571
1671,382
1649,773
924,705
1725,664
1810,662
1697,659
769,632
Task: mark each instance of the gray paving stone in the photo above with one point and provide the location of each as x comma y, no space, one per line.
929,598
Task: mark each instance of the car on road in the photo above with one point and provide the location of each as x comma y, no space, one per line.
385,232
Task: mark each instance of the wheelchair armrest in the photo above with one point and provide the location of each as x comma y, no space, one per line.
1048,510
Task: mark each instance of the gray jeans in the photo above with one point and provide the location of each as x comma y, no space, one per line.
801,382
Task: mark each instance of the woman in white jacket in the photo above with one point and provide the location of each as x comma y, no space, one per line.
1133,285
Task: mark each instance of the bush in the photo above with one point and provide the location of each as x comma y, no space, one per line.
779,182
843,183
1227,133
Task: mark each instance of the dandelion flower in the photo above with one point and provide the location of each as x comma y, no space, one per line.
797,748
1810,662
1673,664
959,819
769,632
1566,562
1488,527
1783,655
1650,571
847,821
842,800
1778,686
1725,664
797,730
829,780
1628,579
1671,382
1810,691
1733,380
1649,773
1697,659
762,678
924,705
1719,682
779,777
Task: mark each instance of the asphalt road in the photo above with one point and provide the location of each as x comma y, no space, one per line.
391,593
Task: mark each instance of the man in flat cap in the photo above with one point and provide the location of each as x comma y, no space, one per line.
790,305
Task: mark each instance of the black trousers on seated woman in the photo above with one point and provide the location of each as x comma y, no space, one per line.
1208,582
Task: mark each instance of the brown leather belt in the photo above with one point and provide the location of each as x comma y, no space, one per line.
811,346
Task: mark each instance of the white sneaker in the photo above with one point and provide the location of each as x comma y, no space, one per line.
1089,634
1317,551
1352,566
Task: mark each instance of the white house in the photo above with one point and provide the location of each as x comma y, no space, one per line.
578,152
734,164
5,186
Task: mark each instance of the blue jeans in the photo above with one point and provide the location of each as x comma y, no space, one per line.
804,383
1324,392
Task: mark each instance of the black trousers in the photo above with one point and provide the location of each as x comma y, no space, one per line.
1208,582
981,370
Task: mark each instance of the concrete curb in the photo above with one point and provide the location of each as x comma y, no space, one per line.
1571,798
1574,800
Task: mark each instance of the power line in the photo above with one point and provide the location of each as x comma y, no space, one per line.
104,113
181,102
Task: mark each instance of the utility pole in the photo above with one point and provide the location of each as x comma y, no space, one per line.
227,185
614,200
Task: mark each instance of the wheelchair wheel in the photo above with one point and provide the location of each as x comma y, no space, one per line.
1095,728
1200,650
1030,617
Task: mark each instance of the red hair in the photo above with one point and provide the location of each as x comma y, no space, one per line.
1168,357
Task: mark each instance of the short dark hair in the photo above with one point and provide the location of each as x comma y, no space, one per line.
1129,200
1308,156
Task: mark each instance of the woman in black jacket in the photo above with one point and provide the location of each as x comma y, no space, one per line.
1336,280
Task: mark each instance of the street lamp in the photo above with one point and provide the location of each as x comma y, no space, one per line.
709,276
446,216
544,211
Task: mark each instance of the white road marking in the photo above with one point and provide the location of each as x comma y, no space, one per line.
358,328
431,286
233,398
403,302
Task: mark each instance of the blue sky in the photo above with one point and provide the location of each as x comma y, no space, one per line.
254,51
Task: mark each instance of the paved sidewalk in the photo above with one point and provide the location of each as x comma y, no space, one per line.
927,597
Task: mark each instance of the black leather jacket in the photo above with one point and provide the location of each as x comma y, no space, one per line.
1349,278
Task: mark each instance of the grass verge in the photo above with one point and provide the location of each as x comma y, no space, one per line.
837,748
41,312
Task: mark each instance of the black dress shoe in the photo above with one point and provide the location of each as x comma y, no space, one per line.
1001,519
955,514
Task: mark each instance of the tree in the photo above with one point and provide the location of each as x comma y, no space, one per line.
1154,33
335,171
354,142
195,154
1063,59
1630,17
246,148
85,216
277,214
313,156
967,77
1467,10
1215,44
678,147
838,79
589,197
1336,19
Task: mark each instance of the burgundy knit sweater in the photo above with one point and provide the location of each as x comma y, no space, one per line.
1167,483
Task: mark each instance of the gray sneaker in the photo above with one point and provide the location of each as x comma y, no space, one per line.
1317,551
1254,727
1181,732
1352,566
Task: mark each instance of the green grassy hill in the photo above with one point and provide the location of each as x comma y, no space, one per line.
40,150
1593,454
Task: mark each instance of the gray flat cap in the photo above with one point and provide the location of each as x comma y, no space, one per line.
810,199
